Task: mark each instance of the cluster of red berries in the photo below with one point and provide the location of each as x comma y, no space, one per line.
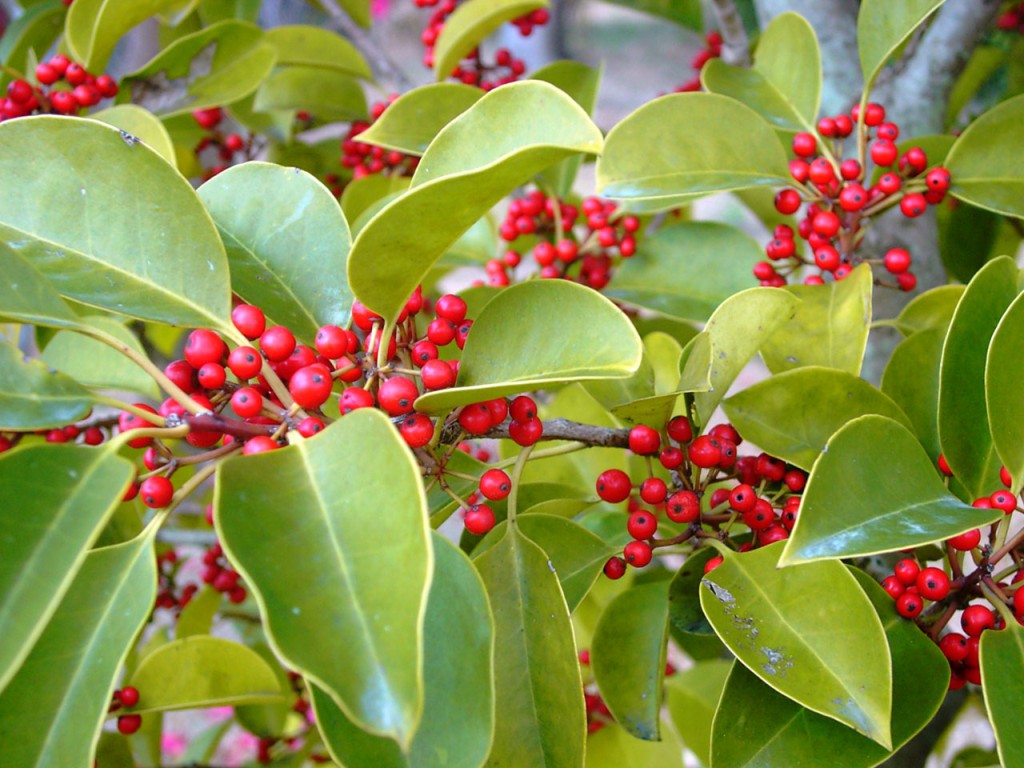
473,70
65,87
693,463
838,203
366,159
126,697
217,151
932,595
713,50
70,433
219,574
1012,19
588,256
167,568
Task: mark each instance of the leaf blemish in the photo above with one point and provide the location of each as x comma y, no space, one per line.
723,594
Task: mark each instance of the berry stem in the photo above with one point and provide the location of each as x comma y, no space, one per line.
517,474
544,453
992,593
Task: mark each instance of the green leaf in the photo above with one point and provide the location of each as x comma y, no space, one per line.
218,65
362,194
96,365
458,709
967,235
861,500
684,611
52,710
467,27
985,163
33,396
369,599
114,751
595,341
935,146
964,434
26,296
316,47
650,395
287,243
54,501
326,93
780,628
94,27
202,671
196,618
113,246
830,327
615,747
1002,657
797,736
784,85
542,720
142,124
575,554
882,26
687,270
932,309
1004,369
627,655
270,720
911,379
692,697
684,146
984,62
686,13
359,10
473,163
411,123
34,30
737,330
581,83
793,414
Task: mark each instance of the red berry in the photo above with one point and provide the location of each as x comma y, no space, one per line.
653,490
954,647
479,519
311,386
182,374
897,260
310,426
128,421
495,484
821,171
417,430
889,183
938,179
933,583
397,394
129,724
907,570
909,605
642,524
966,541
331,342
671,458
451,307
850,169
705,452
245,362
523,408
874,114
1005,478
277,343
259,444
637,553
976,619
437,374
247,402
211,376
1004,500
526,432
742,498
679,429
615,568
614,485
475,418
202,347
499,410
787,201
643,440
893,586
853,197
913,205
883,152
683,507
804,144
128,696
713,563
825,223
156,491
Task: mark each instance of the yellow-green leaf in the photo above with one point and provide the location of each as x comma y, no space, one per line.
412,122
1002,657
882,26
317,47
34,396
471,22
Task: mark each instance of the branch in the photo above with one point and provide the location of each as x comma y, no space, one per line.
386,72
735,45
563,429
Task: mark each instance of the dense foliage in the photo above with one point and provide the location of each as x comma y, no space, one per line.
366,422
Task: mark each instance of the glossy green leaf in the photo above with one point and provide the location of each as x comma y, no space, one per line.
142,124
52,710
359,10
458,711
537,681
932,309
882,26
411,123
830,327
595,341
326,93
1004,369
196,618
113,245
687,13
271,719
34,30
26,296
581,83
575,554
362,194
287,243
687,270
737,330
97,365
54,500
692,697
627,655
474,162
775,623
202,671
793,414
369,598
985,60
797,736
114,751
656,404
33,396
860,500
964,434
317,47
467,27
784,84
911,379
985,162
94,27
682,146
967,235
695,364
1002,657
615,747
217,65
684,611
